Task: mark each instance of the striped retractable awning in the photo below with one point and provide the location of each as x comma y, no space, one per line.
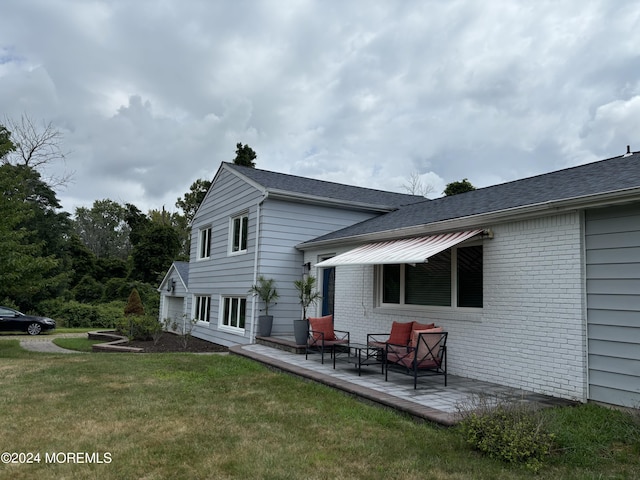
406,250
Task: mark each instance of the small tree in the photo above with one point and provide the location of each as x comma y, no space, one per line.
184,329
266,290
134,304
307,293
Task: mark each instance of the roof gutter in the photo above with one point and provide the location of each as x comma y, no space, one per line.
480,220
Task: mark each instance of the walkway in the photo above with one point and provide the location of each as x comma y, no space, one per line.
430,401
44,343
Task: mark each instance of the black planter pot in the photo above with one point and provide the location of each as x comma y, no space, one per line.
265,322
301,331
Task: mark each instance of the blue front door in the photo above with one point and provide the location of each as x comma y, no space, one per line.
328,290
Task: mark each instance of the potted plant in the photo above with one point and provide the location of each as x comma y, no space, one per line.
308,295
266,291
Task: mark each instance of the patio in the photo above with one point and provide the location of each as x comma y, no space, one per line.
431,401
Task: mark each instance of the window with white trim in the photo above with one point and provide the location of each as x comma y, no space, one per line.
202,308
452,278
204,243
238,236
234,312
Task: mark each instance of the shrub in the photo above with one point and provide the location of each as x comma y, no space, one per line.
183,328
134,304
510,431
81,315
140,327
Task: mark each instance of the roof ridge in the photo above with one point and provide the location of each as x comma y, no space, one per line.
243,168
553,172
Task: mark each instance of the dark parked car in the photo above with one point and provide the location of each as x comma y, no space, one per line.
11,320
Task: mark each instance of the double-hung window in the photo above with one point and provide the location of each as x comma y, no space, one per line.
239,228
452,278
234,312
202,308
204,243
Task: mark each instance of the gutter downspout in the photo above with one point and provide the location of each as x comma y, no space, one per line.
252,335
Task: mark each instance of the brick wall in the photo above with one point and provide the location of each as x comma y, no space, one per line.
530,333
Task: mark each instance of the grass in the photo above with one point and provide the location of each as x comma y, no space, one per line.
78,344
209,416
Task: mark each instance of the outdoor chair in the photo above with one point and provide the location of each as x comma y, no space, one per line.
400,334
425,355
323,337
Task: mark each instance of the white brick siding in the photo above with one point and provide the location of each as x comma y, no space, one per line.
530,333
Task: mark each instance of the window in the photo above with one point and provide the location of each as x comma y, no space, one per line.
203,306
239,233
204,243
234,312
450,278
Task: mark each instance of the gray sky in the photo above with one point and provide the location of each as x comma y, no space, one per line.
151,95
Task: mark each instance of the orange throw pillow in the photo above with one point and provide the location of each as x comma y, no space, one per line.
324,325
400,333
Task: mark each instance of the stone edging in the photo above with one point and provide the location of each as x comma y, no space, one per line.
114,342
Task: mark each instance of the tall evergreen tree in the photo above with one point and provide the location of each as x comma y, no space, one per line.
245,156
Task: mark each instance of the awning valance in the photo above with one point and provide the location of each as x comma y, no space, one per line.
406,250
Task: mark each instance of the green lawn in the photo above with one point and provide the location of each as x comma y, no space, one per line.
183,416
80,344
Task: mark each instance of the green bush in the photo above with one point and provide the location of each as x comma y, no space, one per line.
509,431
139,327
81,315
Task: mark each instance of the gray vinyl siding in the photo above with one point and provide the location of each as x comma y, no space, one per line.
223,274
613,304
283,224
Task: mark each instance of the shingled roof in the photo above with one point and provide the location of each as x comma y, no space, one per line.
606,176
310,187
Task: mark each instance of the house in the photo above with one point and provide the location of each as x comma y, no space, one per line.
537,280
249,225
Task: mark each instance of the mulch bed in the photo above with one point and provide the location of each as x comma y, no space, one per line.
170,342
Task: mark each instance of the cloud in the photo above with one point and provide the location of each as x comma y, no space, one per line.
151,96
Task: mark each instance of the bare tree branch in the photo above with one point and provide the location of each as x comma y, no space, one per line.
414,186
37,147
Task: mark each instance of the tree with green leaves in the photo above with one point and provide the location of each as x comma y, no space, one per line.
157,248
27,274
6,145
454,188
104,229
245,156
191,201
